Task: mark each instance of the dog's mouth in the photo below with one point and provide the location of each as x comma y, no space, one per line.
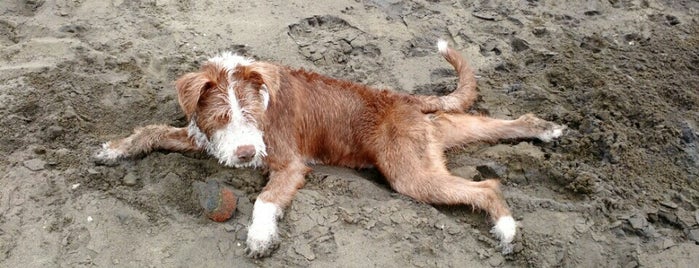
237,157
242,163
234,147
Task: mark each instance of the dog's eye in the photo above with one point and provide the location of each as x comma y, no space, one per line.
208,86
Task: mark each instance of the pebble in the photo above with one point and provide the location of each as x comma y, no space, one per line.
693,235
54,132
638,221
670,217
519,44
696,216
539,31
35,164
130,179
496,260
305,251
39,150
230,227
71,28
241,235
224,246
669,204
685,218
467,172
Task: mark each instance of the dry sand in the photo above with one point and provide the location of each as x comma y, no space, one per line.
621,189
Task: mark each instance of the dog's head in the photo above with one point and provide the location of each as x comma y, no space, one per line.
225,102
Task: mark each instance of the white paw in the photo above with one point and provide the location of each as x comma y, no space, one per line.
442,46
108,156
263,236
552,133
505,230
262,240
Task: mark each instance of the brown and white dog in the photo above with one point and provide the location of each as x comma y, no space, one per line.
258,114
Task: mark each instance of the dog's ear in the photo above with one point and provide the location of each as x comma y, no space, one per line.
265,77
189,88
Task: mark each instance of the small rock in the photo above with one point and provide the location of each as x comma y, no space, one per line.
581,227
539,31
632,264
467,172
519,45
230,227
638,221
40,150
496,260
669,204
305,251
224,246
71,28
54,132
669,217
241,235
693,235
696,215
685,218
62,152
35,164
130,179
672,20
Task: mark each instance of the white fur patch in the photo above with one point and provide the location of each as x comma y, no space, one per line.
552,133
264,93
199,137
229,60
239,131
262,232
442,46
505,229
107,153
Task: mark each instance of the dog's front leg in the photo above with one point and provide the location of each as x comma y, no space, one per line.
145,140
263,234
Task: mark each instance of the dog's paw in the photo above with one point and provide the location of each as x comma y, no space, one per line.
505,230
543,130
554,131
108,156
262,240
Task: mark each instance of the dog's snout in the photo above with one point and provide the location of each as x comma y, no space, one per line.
245,152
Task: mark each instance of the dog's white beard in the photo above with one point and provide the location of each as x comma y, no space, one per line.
224,142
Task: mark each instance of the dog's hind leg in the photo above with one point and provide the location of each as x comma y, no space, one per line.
413,164
440,187
459,129
145,140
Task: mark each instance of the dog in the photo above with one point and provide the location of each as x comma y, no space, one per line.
248,113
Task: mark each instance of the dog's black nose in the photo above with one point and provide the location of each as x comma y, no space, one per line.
245,153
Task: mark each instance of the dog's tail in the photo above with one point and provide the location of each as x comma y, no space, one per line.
464,95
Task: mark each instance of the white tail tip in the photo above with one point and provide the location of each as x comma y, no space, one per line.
505,229
442,45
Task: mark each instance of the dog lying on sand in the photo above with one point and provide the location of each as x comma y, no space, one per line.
258,114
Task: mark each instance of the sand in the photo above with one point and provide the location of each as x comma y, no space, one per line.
620,189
